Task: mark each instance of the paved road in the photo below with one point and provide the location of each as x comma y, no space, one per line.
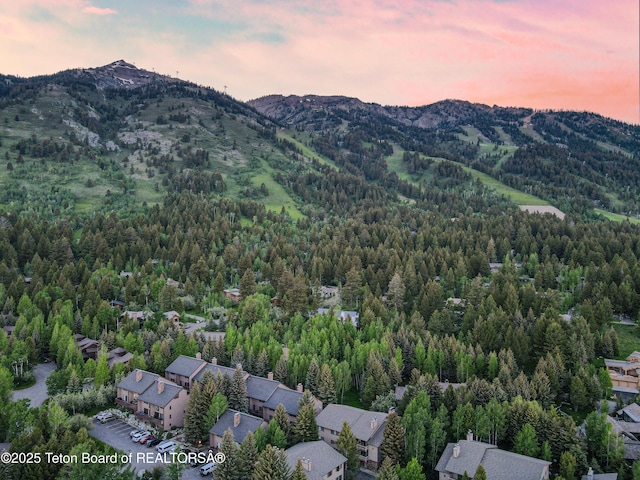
38,393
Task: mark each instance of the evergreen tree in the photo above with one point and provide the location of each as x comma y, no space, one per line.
247,285
387,471
392,447
261,367
305,428
281,371
312,376
568,466
281,419
275,436
326,386
347,445
216,408
247,456
481,473
271,465
238,392
298,472
227,470
192,415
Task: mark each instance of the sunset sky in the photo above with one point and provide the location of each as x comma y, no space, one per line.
560,54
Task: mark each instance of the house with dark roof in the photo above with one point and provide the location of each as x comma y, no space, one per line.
289,400
163,404
319,460
343,315
367,427
630,413
239,423
118,355
139,315
132,386
259,389
183,370
153,399
467,455
233,294
216,369
87,346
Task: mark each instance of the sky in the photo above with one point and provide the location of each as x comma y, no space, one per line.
558,54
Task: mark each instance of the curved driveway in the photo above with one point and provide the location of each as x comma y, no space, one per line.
38,393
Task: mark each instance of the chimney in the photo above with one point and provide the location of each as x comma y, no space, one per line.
236,419
374,423
160,387
270,375
299,387
138,375
391,410
199,356
590,474
469,436
456,450
214,361
306,463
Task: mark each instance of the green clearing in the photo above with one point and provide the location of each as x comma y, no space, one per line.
628,340
306,151
395,164
278,197
616,217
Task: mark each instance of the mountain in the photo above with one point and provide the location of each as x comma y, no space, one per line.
120,138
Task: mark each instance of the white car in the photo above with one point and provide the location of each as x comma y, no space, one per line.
139,435
167,446
207,469
105,417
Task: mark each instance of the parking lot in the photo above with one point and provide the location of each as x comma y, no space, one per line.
116,434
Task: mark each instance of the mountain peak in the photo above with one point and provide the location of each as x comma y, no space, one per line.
121,74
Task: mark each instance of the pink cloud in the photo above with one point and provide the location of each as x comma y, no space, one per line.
91,10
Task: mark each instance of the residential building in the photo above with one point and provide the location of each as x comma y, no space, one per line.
630,413
259,390
624,374
319,460
183,370
467,455
118,355
163,404
239,423
367,428
288,398
233,294
87,346
153,398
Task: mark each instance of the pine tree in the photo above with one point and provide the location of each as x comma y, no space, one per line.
312,376
347,445
568,465
272,465
192,415
238,392
298,472
227,469
326,386
481,473
275,436
281,419
281,371
392,446
247,284
247,456
261,367
387,471
305,429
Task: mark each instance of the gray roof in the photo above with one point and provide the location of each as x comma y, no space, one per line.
602,476
632,411
131,384
184,365
629,390
215,369
323,458
333,416
287,397
499,464
247,423
260,388
161,399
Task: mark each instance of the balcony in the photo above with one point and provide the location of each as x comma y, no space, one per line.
124,404
158,422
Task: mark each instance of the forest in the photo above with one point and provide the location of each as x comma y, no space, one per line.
453,283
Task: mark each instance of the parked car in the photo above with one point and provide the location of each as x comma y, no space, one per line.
166,446
135,432
144,438
207,469
153,442
139,435
105,417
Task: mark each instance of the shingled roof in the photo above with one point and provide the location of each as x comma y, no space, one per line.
364,424
138,381
321,457
499,464
260,388
185,366
247,423
160,395
288,398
